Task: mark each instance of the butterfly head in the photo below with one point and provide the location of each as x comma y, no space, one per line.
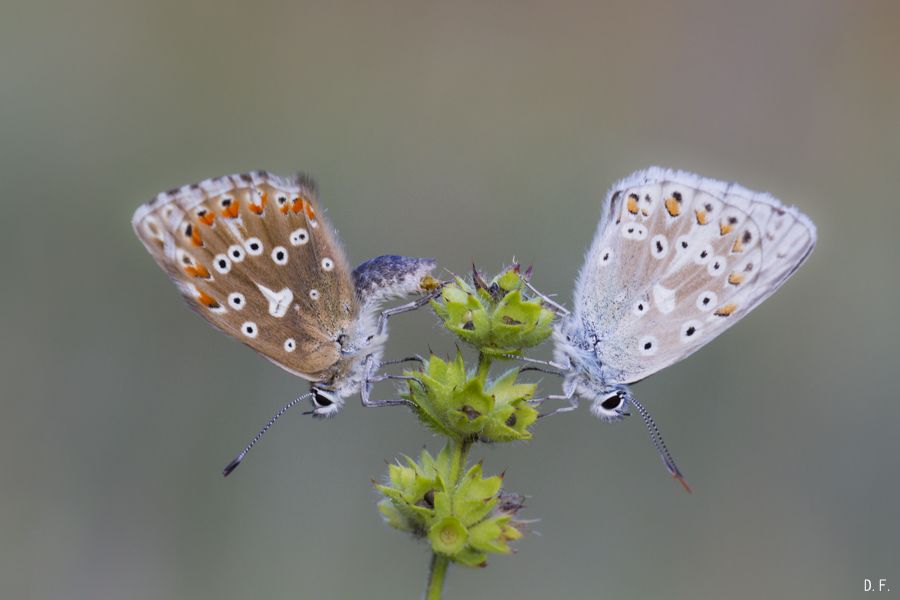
611,405
325,403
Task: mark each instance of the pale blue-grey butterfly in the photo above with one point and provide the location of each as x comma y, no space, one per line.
676,260
254,254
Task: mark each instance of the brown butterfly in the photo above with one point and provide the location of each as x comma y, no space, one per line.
254,254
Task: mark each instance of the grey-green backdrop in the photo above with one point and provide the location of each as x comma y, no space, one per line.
465,130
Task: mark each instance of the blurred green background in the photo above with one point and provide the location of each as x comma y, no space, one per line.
461,131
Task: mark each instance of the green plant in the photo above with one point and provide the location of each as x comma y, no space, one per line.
463,514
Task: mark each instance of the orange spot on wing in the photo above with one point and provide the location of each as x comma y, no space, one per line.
231,211
298,204
207,218
724,311
197,271
632,204
310,213
195,236
701,217
258,208
207,300
673,207
725,228
735,279
738,246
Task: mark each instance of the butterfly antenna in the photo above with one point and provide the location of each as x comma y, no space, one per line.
661,449
237,459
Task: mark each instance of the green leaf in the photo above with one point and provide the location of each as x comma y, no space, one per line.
487,537
470,557
392,515
509,280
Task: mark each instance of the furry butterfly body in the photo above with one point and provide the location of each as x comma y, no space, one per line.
676,260
254,254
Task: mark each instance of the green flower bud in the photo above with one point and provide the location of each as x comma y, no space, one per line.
465,523
466,406
498,317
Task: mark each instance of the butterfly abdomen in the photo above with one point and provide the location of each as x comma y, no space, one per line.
390,276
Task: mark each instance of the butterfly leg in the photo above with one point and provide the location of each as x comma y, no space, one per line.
559,307
542,370
366,390
536,361
573,403
390,312
399,361
369,369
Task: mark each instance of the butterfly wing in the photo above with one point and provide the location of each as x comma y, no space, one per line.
677,259
254,255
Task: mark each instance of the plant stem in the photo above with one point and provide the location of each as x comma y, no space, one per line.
484,365
459,456
438,570
436,576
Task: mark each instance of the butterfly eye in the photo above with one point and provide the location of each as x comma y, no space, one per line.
314,294
321,400
612,403
611,408
327,264
290,345
249,329
299,237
